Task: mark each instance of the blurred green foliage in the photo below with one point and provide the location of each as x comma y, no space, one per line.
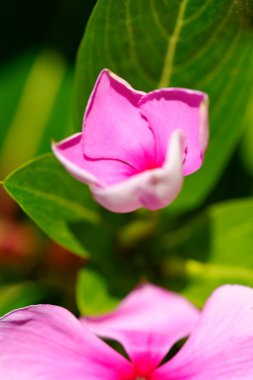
39,43
43,86
90,302
18,295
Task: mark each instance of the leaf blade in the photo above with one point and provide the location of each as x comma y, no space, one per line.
203,45
214,249
54,200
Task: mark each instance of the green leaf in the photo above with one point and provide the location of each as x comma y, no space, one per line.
213,249
61,206
12,80
15,296
205,45
35,93
92,294
246,148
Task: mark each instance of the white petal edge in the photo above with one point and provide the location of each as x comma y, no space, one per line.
80,174
152,189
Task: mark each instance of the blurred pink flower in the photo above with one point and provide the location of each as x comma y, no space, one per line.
135,148
48,343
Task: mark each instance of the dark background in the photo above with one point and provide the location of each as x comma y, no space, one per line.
58,24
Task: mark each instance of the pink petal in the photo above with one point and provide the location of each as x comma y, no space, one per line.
152,189
113,127
49,343
177,108
147,323
221,346
99,172
131,151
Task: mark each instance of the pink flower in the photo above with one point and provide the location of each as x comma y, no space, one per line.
48,343
136,148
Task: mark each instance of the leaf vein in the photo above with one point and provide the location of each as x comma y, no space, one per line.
171,48
207,44
196,15
164,33
134,56
87,214
224,60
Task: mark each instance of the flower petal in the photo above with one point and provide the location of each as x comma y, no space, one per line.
48,343
221,346
113,127
152,189
97,172
178,108
147,323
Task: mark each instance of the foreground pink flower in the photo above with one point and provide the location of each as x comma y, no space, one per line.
136,148
48,343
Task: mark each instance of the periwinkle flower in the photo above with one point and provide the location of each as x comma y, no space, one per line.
48,343
135,148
